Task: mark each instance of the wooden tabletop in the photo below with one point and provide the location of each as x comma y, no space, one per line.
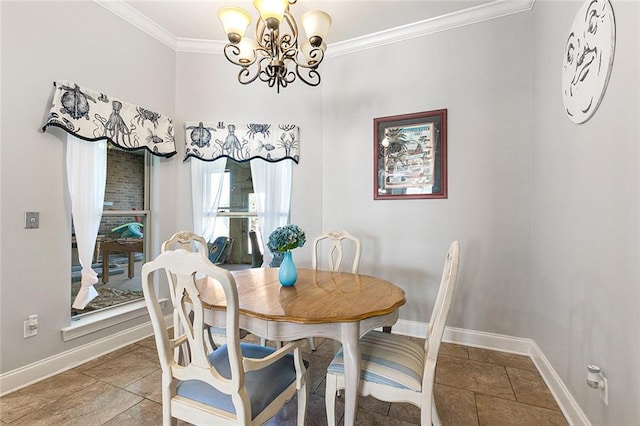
317,296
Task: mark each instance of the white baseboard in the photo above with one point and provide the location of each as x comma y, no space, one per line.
565,400
517,345
40,370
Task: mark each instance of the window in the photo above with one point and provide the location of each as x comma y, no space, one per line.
257,196
121,235
237,212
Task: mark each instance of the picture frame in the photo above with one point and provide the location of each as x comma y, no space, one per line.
410,156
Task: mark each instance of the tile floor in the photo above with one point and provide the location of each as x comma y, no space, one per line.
473,387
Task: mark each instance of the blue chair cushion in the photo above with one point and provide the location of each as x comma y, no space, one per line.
388,359
263,386
216,248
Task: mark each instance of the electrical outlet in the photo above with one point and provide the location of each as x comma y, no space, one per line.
596,380
31,220
31,326
604,391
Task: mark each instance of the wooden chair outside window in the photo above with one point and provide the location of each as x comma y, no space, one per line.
256,255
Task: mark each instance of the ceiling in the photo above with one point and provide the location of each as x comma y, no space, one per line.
197,19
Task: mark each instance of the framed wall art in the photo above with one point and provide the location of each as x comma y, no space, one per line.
410,156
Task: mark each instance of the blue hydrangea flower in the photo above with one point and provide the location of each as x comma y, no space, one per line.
286,238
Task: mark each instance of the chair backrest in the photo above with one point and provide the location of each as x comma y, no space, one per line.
186,240
184,269
439,315
191,242
335,239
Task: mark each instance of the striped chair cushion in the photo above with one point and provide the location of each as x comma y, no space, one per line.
387,359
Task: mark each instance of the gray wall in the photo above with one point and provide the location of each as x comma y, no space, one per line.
584,290
42,42
546,211
482,75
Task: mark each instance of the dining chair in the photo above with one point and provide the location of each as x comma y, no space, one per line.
334,240
186,240
335,250
238,383
395,368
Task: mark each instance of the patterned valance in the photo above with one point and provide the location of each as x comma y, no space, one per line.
93,116
209,141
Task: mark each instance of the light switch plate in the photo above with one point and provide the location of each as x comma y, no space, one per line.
31,220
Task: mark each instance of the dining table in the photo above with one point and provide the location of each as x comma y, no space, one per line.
338,305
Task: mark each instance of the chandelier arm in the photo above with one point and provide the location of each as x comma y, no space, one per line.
261,28
269,79
289,76
284,80
232,52
263,50
264,46
290,54
290,40
245,77
269,75
312,78
316,55
286,42
246,72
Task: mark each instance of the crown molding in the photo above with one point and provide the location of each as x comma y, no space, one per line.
140,21
472,15
194,45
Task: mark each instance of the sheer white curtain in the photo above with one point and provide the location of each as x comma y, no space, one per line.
87,176
272,188
206,187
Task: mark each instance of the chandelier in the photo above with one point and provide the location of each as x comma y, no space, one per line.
276,55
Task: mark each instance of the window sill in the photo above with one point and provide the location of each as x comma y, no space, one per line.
106,318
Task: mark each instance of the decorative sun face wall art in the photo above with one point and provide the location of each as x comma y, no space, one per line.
588,59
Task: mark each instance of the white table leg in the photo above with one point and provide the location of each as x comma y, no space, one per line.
351,350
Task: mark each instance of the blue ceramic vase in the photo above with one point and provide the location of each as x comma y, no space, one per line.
287,274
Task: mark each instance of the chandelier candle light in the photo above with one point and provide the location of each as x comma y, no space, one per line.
275,56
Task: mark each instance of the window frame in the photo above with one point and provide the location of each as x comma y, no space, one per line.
227,212
91,317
